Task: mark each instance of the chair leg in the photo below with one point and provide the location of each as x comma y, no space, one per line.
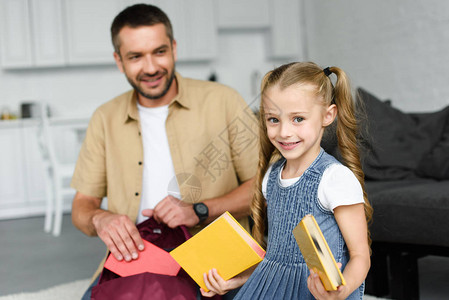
50,200
58,209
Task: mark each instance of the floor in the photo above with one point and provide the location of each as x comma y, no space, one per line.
31,260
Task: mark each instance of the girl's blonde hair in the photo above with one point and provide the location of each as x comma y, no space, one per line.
346,129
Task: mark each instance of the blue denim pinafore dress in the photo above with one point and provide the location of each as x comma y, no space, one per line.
283,272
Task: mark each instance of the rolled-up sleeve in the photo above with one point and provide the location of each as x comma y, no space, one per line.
89,177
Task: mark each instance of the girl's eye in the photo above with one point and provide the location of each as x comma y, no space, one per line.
273,120
298,119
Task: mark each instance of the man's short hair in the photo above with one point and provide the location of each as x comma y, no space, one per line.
139,15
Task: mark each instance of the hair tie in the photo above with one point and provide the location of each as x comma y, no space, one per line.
327,71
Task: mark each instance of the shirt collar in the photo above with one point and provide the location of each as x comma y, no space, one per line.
181,97
131,108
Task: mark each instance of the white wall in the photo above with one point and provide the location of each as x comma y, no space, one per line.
395,49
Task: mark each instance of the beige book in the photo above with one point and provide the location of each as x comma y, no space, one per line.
317,253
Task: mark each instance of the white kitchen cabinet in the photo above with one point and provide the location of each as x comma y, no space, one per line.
201,30
88,30
48,34
286,38
34,169
15,43
22,169
12,183
238,14
194,27
31,33
281,19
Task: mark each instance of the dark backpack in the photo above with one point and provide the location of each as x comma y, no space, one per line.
148,285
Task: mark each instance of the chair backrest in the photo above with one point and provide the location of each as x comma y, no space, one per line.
50,131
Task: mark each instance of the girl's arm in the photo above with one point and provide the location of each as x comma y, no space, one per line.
352,222
217,285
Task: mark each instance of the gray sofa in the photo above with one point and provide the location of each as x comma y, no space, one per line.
405,158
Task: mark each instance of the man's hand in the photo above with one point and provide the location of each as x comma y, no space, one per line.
173,212
119,234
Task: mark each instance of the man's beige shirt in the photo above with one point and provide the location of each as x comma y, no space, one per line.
212,135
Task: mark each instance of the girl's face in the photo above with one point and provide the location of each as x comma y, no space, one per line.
295,118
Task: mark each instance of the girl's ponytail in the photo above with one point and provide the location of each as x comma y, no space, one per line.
347,131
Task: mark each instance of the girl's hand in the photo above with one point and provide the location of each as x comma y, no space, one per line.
217,285
317,289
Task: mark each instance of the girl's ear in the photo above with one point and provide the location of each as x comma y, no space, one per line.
329,115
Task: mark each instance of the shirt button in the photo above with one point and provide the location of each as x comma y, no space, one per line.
140,163
137,194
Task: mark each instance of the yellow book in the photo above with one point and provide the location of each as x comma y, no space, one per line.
317,254
224,245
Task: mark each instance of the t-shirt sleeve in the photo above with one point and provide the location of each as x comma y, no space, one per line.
265,181
338,187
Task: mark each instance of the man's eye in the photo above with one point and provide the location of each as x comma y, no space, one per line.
162,52
298,119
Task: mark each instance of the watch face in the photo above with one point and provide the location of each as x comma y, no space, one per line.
201,208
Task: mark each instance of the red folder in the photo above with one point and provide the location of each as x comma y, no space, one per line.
152,259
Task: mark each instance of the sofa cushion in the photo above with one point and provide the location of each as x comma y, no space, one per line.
435,164
410,211
396,141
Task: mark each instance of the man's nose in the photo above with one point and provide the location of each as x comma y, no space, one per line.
149,65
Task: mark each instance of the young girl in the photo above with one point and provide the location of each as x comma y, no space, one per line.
297,177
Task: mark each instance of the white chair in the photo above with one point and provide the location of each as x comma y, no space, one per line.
57,173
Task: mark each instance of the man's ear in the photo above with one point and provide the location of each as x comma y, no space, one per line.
118,61
174,48
330,115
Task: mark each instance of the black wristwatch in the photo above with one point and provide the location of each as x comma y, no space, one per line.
201,211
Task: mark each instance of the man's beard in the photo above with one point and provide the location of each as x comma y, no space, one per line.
157,96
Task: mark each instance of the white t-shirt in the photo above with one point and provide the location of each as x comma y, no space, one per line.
158,170
338,187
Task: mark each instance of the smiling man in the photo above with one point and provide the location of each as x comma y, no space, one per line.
180,150
146,56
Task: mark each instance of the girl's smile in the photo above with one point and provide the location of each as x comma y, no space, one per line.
288,146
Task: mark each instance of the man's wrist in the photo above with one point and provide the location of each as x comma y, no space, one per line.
202,211
96,218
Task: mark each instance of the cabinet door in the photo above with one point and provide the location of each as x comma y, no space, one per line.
88,30
12,187
15,34
237,14
47,33
34,168
286,35
201,29
194,27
